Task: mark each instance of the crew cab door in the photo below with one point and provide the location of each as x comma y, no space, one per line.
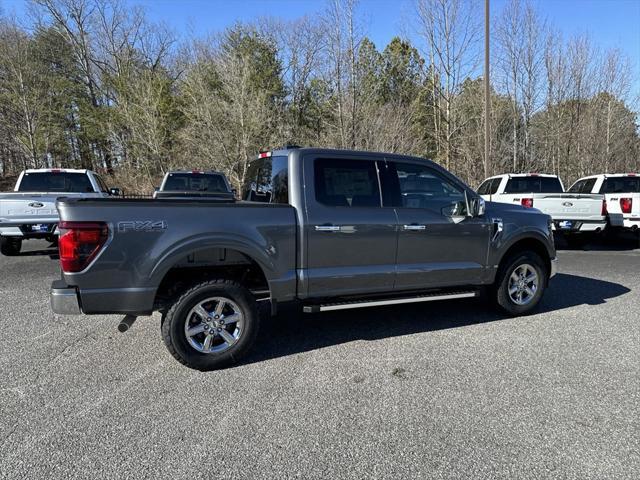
350,239
438,245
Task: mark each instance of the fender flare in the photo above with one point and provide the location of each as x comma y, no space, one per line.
254,251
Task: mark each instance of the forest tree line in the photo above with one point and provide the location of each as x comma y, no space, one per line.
95,84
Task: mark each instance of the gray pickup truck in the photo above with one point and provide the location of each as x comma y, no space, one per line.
325,229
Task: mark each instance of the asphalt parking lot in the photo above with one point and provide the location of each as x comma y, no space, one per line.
449,390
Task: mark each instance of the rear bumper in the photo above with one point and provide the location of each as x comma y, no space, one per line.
22,230
570,225
632,222
554,267
65,300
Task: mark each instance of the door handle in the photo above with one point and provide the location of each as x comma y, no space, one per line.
327,228
414,227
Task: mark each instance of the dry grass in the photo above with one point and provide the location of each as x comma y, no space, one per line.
133,181
7,183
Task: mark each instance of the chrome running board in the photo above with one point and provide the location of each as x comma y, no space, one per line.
389,301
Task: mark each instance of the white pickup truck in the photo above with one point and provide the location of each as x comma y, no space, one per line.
30,210
621,191
572,213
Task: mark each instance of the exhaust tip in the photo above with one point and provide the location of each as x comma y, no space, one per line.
126,322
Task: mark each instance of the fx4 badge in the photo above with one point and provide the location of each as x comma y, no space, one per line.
142,226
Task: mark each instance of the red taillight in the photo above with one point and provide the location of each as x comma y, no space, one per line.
79,243
527,202
264,154
626,204
604,211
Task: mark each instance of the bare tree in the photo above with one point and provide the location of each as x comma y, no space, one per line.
451,31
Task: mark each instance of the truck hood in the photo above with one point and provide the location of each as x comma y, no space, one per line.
499,208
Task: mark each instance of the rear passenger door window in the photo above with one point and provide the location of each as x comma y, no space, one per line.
347,183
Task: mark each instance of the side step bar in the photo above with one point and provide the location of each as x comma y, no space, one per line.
389,301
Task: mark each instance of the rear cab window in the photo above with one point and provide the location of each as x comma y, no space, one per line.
68,182
533,184
628,184
267,180
196,182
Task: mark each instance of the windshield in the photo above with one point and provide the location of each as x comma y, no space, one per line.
195,182
533,185
55,182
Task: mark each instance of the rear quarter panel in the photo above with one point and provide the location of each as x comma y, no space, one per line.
137,257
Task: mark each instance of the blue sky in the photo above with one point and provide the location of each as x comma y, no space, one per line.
610,23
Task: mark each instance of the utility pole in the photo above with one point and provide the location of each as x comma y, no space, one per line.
487,92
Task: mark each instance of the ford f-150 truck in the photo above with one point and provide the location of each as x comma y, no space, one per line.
574,214
622,193
30,210
326,230
195,183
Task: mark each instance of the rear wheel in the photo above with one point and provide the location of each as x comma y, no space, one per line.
520,283
10,246
212,325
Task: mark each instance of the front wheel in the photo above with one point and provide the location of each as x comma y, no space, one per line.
212,325
10,246
520,283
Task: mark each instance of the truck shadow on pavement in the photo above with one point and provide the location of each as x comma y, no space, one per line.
291,333
624,241
51,252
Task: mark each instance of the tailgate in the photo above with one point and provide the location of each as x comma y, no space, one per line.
568,206
20,209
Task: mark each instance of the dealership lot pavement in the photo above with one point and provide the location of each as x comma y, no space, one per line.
449,390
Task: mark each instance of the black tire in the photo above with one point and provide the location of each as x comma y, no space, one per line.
501,287
10,246
173,325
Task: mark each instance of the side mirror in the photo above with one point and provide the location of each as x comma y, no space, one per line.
235,192
156,189
115,192
475,205
455,210
478,207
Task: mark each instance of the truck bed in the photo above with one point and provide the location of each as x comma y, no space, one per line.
148,237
